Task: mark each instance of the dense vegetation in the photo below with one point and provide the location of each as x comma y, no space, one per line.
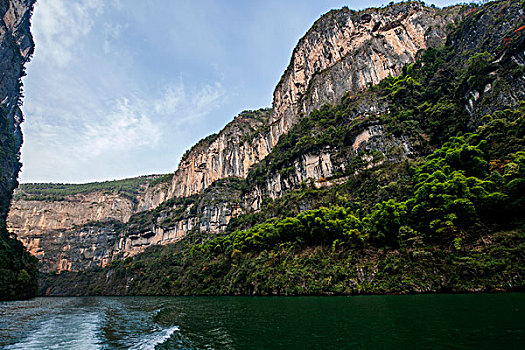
448,216
457,187
18,269
461,229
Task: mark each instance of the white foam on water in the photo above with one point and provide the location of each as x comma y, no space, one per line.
77,331
149,341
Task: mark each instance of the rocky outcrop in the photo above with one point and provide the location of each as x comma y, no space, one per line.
208,212
153,194
347,50
230,153
76,249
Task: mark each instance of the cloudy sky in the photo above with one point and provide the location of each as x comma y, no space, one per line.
120,88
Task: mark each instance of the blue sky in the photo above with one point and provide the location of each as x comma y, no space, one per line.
121,88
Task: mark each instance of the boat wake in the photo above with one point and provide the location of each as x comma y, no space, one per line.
82,333
149,341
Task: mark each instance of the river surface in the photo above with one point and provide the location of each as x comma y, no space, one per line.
469,321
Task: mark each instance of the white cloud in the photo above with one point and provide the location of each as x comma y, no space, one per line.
75,143
60,24
123,128
207,96
186,106
174,97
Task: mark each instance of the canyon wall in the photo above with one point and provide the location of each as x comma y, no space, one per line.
343,51
84,230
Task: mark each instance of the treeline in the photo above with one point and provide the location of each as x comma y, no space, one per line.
58,191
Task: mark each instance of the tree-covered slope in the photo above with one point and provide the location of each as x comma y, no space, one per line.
460,228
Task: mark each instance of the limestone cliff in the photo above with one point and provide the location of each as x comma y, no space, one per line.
230,153
344,51
347,50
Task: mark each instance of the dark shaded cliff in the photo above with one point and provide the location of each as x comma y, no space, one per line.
17,267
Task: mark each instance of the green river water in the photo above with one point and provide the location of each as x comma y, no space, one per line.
469,321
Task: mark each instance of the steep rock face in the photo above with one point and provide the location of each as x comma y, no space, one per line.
76,210
153,194
74,243
347,50
209,212
211,217
32,212
16,48
73,250
29,219
18,270
230,153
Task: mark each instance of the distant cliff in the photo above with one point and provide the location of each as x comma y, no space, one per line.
17,268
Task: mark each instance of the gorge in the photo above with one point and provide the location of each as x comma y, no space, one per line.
351,49
391,161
